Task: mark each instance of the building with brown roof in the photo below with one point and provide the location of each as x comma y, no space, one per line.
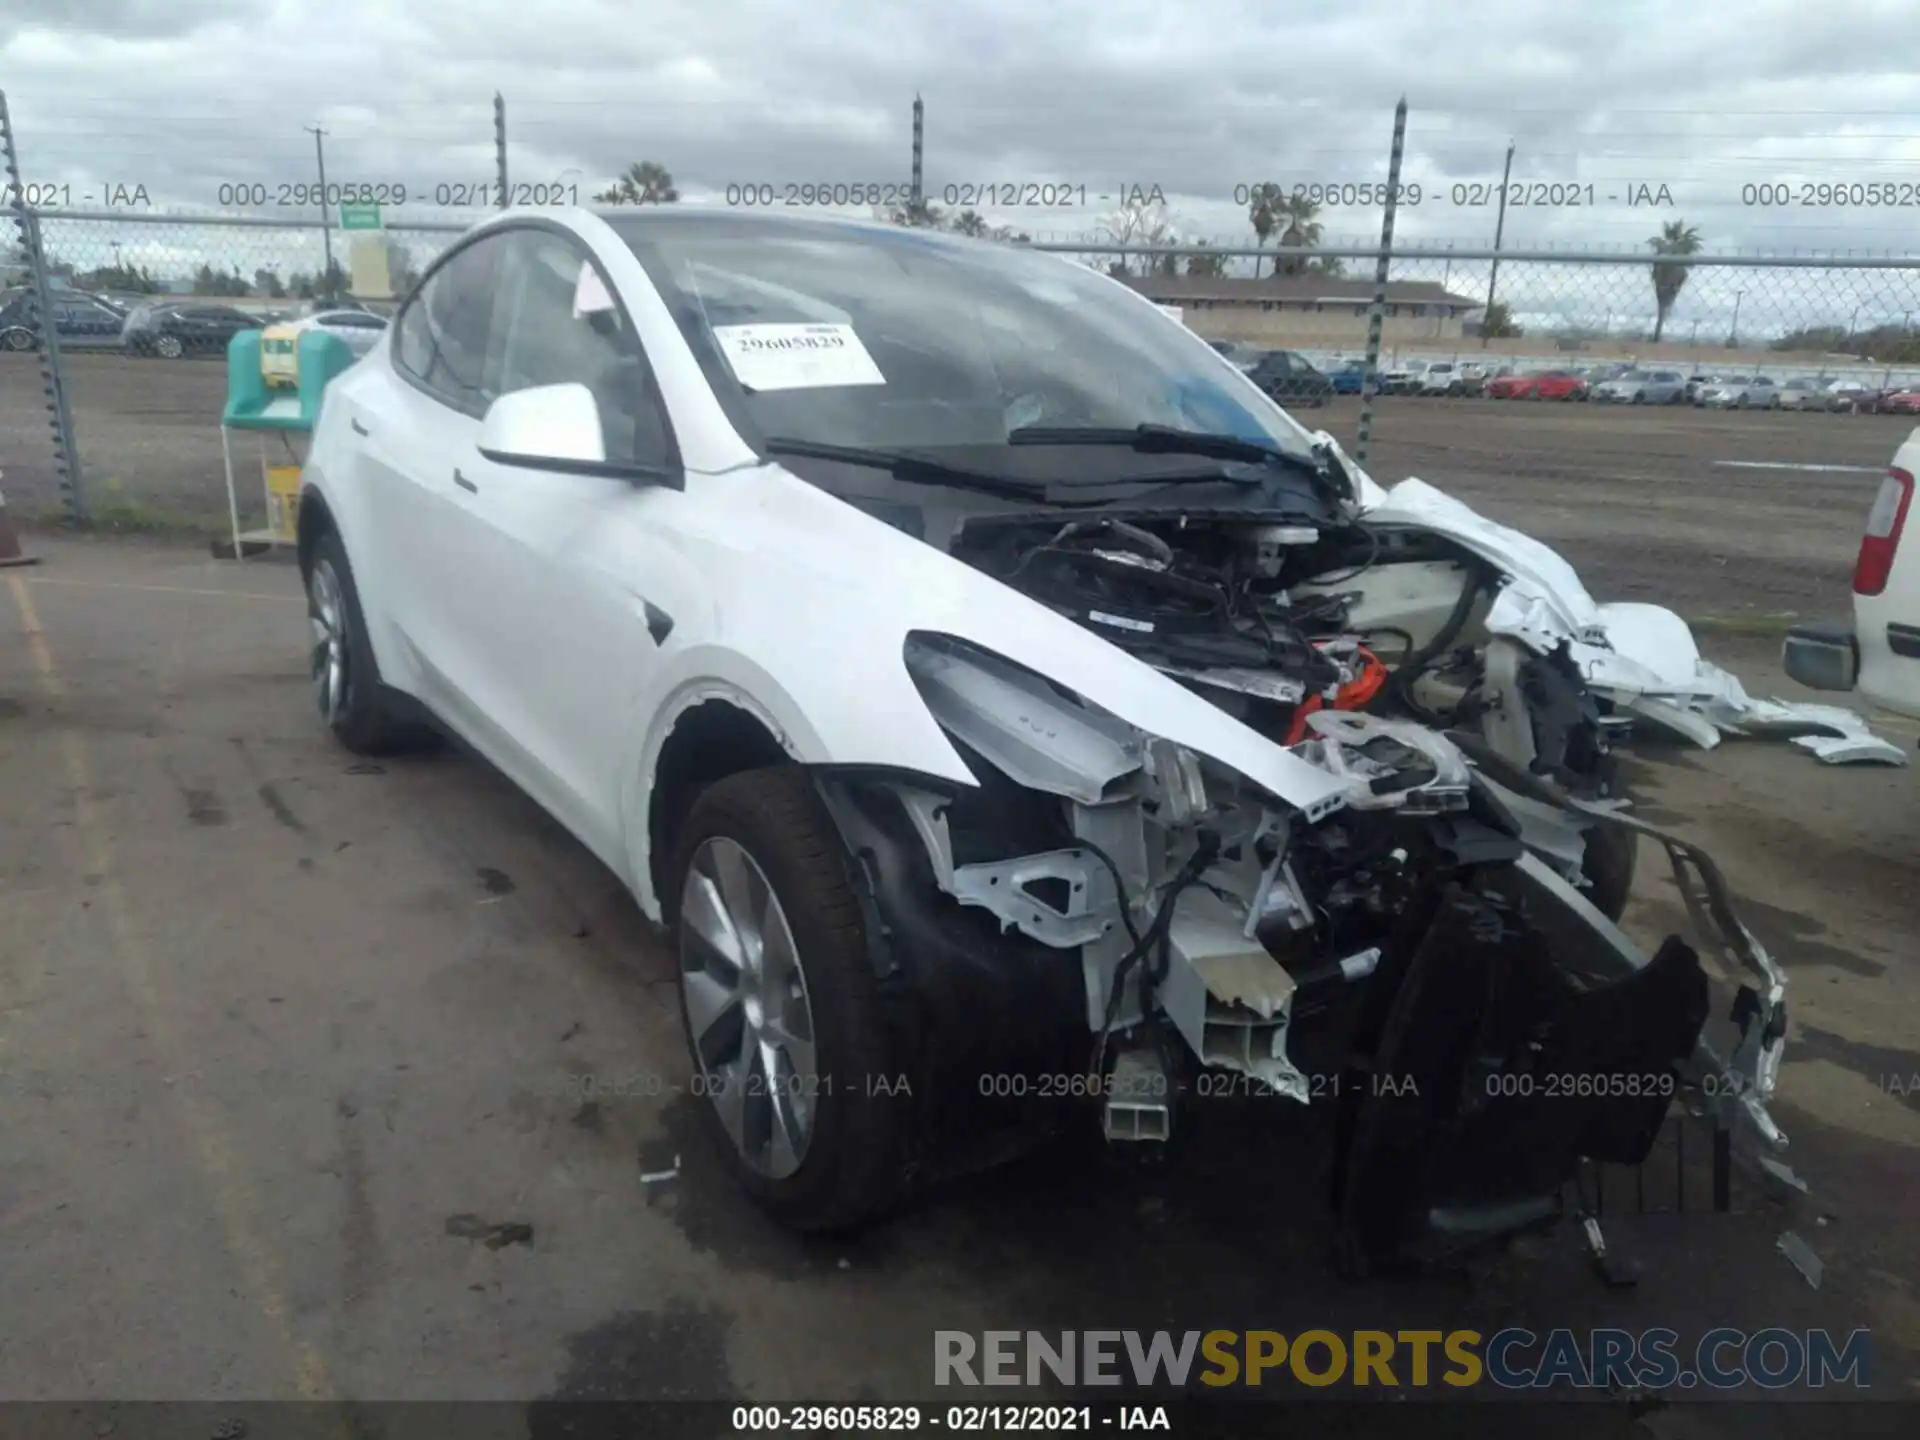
1319,311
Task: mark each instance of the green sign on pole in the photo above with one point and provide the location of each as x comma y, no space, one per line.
359,217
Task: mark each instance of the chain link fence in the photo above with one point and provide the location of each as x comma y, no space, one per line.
1463,334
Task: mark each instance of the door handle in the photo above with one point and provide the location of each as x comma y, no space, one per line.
464,483
358,428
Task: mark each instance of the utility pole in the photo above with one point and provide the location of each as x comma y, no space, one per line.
1733,339
1499,229
500,145
326,223
919,151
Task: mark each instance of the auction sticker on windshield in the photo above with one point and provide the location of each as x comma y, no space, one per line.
796,357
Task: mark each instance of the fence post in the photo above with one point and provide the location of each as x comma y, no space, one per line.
40,320
1370,381
500,145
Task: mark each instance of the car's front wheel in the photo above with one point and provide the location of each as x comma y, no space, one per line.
168,347
781,1008
17,339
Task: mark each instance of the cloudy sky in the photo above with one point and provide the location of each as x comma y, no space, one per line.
1195,97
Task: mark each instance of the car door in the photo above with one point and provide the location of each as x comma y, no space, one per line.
416,440
563,615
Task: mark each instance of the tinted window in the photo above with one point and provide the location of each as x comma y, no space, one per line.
444,329
556,322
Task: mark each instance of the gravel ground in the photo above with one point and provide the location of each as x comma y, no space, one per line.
281,1035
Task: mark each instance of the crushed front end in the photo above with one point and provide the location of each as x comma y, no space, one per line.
1112,906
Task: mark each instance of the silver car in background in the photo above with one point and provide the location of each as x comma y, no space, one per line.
1741,392
1642,387
1803,392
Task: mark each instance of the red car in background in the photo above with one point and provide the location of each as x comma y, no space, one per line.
1546,385
1900,402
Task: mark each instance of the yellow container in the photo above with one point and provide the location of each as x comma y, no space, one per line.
280,356
283,501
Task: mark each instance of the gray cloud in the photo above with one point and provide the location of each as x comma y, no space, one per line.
1195,98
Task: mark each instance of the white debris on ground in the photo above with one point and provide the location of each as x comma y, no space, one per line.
1641,658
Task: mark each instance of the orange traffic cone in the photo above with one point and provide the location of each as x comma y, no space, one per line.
10,551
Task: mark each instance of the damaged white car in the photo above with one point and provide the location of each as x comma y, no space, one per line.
1013,714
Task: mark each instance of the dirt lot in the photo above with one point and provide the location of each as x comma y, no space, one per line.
283,1036
1637,499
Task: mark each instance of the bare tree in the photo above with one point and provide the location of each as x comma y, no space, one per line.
1139,221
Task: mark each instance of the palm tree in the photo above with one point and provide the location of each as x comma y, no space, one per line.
1302,231
969,222
1676,237
1263,212
645,182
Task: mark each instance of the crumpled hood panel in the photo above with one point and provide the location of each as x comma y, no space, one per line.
1642,658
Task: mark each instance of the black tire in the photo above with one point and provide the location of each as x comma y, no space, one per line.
170,347
1612,852
17,339
854,1162
365,719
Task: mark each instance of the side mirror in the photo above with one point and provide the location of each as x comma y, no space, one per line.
548,427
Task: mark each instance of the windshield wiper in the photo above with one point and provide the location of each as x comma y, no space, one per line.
915,469
1158,440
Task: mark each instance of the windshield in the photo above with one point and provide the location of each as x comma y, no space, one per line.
895,339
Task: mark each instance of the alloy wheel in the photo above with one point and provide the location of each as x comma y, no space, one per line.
169,347
747,1007
331,658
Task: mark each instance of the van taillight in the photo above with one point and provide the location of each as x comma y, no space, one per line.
1884,524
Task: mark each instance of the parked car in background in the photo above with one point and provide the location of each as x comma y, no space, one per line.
78,319
1401,379
1350,378
1287,376
360,329
1697,382
1473,379
1642,387
1243,355
1803,392
1900,402
1854,396
1540,385
175,329
1740,392
1879,653
1441,377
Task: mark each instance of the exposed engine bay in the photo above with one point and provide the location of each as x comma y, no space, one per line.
1431,907
1267,619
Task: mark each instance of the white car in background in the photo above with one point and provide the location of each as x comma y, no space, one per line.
359,329
1879,654
1442,377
